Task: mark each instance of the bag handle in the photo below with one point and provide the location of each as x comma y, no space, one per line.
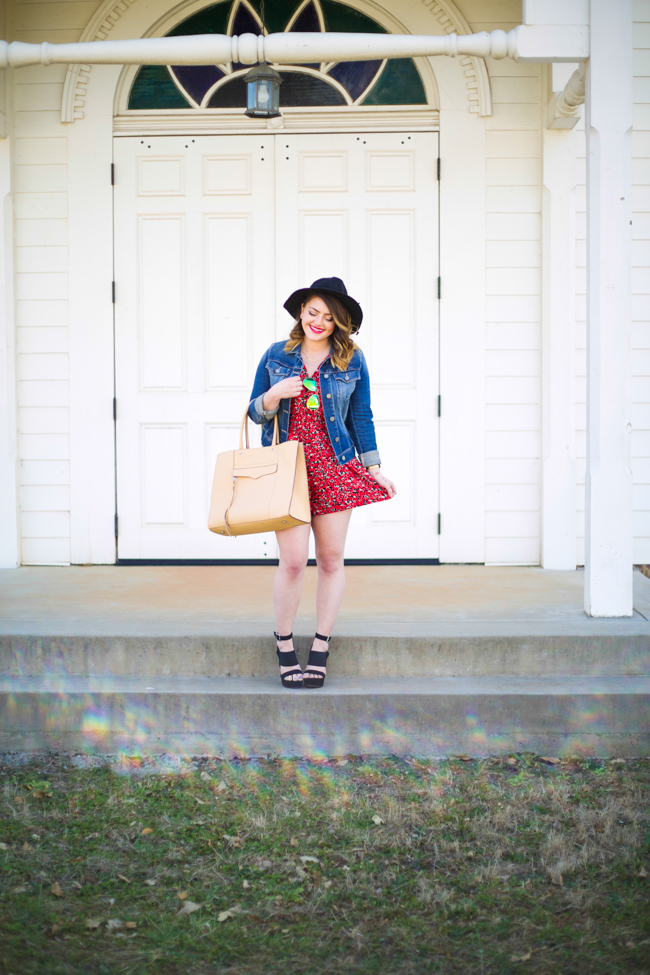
244,426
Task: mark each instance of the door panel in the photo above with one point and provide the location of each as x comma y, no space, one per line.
202,267
195,297
364,208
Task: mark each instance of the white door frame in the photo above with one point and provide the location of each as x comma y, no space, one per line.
462,211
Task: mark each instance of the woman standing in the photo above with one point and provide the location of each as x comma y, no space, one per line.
317,382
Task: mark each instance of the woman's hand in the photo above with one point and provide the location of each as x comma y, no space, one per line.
285,389
382,480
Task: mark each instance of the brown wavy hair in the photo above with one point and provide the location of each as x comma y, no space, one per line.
341,345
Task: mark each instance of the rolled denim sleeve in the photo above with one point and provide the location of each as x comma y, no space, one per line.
360,421
261,385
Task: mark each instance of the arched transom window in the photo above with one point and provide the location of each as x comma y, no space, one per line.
392,82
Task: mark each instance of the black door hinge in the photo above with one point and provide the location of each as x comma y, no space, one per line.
115,408
438,169
113,291
439,524
113,173
116,526
439,288
439,405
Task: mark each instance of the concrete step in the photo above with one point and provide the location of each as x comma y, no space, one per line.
242,651
426,716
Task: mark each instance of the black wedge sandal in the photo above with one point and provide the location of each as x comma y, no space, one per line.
317,658
288,658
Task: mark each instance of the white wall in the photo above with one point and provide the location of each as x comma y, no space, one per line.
41,256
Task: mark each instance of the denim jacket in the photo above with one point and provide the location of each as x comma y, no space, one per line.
345,399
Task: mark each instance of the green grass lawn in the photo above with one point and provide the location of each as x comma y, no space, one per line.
366,866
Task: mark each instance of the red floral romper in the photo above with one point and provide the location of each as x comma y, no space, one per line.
332,486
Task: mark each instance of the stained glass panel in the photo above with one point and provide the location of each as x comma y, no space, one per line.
307,20
399,84
153,88
210,20
355,76
340,17
197,79
232,94
305,89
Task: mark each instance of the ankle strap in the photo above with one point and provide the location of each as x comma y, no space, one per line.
281,639
319,636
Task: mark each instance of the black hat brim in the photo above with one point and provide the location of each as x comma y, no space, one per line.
294,302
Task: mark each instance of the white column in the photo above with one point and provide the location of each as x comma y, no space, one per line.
608,516
9,547
558,345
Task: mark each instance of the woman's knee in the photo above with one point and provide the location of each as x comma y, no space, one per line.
329,562
293,565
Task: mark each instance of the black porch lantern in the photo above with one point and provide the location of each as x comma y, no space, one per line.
263,87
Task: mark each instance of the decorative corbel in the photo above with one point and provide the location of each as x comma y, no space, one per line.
562,110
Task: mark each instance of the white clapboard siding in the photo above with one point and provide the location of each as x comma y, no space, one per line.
640,338
512,359
41,260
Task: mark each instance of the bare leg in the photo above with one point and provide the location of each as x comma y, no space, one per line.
330,532
293,544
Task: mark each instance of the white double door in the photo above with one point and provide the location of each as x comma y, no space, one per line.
212,233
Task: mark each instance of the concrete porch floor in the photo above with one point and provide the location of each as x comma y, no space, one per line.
402,599
425,660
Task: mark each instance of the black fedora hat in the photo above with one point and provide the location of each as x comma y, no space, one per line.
333,287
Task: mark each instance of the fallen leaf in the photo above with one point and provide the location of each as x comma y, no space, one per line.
114,924
27,847
55,929
464,758
328,883
342,762
92,923
19,800
19,890
511,761
3,846
151,883
182,895
378,821
201,802
146,831
642,872
522,957
205,777
231,912
310,859
222,786
92,836
549,760
189,907
556,878
285,930
121,876
618,761
246,885
293,841
75,883
56,890
39,794
131,925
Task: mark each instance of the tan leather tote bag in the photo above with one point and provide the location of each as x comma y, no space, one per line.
259,489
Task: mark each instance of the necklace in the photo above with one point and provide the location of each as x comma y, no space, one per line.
315,358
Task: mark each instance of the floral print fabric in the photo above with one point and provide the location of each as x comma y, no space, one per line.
332,486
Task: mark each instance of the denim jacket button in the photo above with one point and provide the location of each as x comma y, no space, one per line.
329,396
331,419
336,439
327,376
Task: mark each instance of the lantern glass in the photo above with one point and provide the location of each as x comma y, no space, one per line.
263,92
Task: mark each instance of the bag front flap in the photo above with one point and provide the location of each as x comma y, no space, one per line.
254,471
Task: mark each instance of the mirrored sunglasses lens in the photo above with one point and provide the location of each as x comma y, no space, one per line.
312,403
310,385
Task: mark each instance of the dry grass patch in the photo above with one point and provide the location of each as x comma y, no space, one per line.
361,866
